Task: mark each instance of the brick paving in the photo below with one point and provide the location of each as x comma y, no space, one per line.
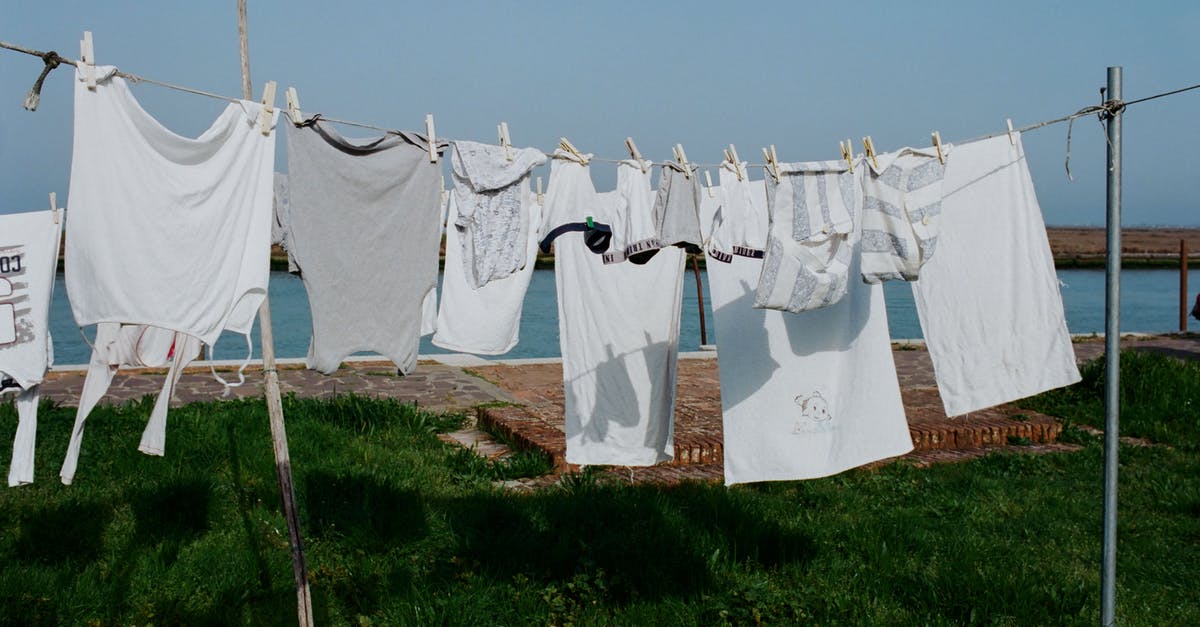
531,404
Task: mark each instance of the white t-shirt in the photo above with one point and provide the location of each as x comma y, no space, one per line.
803,395
167,230
988,300
28,263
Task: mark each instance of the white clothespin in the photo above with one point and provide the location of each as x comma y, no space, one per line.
268,109
433,153
566,145
681,157
505,141
636,154
540,197
937,143
54,206
87,56
708,179
737,163
869,146
293,106
1011,140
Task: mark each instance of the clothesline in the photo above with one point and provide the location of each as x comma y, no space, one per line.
53,59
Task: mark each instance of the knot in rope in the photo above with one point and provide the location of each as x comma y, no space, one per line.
1111,108
52,60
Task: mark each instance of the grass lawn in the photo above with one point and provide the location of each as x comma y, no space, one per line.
403,529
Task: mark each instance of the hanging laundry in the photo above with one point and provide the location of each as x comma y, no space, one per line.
806,264
131,346
802,395
901,208
988,301
574,208
365,233
618,330
28,263
636,233
492,185
166,232
676,211
429,306
487,320
746,219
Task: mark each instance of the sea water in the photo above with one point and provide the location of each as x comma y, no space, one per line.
1149,303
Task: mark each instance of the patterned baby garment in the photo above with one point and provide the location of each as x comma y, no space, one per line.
901,208
809,240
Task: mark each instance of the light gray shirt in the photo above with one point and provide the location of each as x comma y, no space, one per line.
363,223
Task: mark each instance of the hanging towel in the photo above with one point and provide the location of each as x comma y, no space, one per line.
802,395
29,245
618,332
810,237
901,207
988,302
493,207
487,320
364,228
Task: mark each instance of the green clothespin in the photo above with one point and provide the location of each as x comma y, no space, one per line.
590,223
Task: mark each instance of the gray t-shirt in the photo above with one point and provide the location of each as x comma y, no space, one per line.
363,224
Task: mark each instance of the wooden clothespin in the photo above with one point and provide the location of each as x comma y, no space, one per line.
937,143
1011,140
869,146
433,151
566,145
681,157
293,106
772,166
87,56
708,179
268,108
54,206
737,163
540,197
502,129
847,148
636,154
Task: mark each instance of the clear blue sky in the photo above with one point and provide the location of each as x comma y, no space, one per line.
800,75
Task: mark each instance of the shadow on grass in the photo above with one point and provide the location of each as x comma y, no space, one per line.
365,511
65,533
171,515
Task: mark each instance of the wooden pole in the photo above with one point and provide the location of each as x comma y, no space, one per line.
699,299
283,463
1183,286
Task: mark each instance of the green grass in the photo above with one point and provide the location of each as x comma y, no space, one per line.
401,528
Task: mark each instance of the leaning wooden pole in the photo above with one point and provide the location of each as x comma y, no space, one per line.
283,463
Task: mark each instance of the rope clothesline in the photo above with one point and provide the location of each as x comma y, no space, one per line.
53,59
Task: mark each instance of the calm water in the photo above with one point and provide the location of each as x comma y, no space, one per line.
1149,304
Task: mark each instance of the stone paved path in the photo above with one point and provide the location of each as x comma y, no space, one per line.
538,388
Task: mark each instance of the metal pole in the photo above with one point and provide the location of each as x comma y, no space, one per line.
1183,286
1112,354
699,300
283,463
